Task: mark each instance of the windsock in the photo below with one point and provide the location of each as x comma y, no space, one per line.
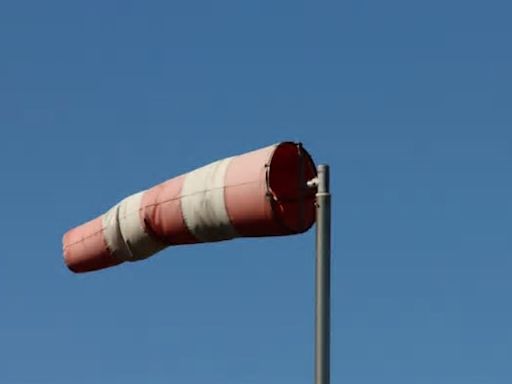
259,193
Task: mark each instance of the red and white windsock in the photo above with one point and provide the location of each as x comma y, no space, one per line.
260,193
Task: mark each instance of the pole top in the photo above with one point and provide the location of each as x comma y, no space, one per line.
323,178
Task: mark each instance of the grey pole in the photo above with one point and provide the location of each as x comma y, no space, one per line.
323,277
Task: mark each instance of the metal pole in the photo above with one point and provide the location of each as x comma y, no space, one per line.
323,277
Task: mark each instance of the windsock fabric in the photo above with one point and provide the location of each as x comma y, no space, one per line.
260,193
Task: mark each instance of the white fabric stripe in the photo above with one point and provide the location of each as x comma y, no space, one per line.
124,233
203,205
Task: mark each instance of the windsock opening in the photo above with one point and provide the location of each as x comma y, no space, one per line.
293,203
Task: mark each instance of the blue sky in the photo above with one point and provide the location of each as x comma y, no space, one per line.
410,104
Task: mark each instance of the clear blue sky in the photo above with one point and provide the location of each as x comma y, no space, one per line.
411,104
